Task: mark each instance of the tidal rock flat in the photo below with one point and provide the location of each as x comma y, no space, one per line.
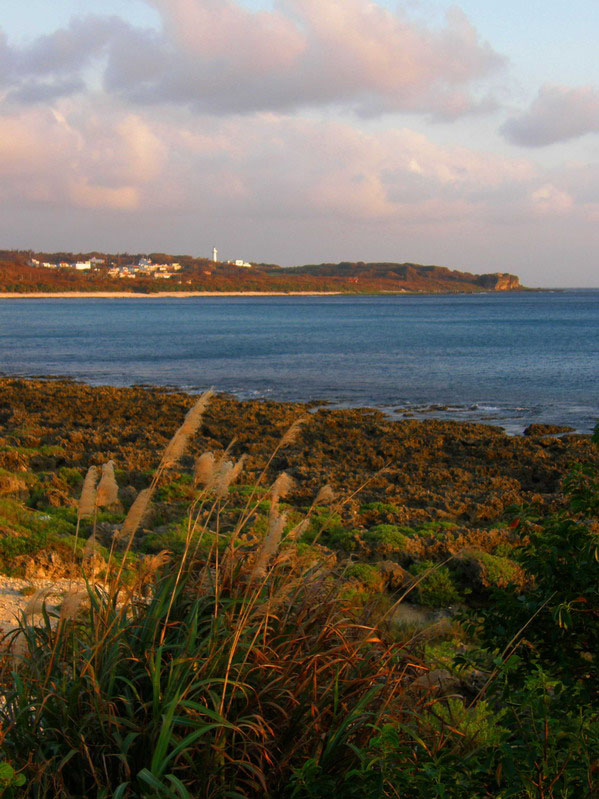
408,472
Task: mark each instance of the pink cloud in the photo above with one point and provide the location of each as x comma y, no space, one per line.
96,156
312,53
271,167
217,56
76,158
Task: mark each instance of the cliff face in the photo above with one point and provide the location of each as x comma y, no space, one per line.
499,281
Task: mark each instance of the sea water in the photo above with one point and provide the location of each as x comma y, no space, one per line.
507,358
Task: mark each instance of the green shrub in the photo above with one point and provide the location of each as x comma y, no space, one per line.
437,589
324,523
345,540
366,574
73,477
385,539
498,570
10,780
14,516
13,547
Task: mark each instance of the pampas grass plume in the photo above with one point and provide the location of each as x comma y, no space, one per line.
194,415
108,490
72,603
222,478
87,501
175,448
204,469
237,469
91,546
37,601
270,545
300,528
325,496
293,432
282,486
178,443
136,513
152,563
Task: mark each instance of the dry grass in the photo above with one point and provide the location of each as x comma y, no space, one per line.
108,490
252,647
87,501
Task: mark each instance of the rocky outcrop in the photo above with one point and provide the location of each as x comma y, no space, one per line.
408,472
499,281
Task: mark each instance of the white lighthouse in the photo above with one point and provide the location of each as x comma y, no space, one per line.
214,254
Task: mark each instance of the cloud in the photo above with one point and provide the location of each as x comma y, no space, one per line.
266,167
558,114
217,56
87,173
78,158
549,200
54,65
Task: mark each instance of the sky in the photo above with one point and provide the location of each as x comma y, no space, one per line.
306,131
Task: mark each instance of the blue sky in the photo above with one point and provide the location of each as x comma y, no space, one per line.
465,134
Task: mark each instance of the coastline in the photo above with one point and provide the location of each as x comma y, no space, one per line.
433,470
127,295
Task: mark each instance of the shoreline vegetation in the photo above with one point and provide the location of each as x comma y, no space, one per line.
26,272
289,601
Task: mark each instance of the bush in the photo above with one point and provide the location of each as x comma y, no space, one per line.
345,540
385,539
436,589
366,574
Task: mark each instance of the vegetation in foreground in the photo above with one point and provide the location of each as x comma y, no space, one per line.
273,651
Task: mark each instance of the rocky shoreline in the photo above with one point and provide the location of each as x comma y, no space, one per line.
410,472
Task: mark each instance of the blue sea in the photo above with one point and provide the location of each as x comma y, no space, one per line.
505,359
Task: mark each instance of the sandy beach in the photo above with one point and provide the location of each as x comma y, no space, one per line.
127,295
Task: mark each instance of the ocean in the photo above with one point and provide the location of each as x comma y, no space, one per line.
507,359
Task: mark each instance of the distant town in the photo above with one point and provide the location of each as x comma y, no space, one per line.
144,267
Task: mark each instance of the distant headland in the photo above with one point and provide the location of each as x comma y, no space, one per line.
27,273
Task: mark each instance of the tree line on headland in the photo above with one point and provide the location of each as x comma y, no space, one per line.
28,272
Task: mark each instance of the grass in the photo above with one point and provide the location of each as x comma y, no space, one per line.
221,682
250,661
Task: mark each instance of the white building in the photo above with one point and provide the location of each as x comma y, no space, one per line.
82,265
241,262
